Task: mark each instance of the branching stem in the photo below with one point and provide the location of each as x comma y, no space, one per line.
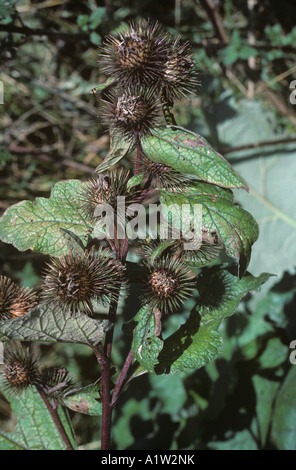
104,358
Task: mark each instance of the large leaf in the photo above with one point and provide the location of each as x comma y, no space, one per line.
235,227
35,428
119,147
46,324
198,341
146,345
266,391
38,225
270,170
192,154
193,346
221,291
283,431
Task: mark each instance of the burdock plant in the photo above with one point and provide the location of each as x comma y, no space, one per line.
162,225
15,301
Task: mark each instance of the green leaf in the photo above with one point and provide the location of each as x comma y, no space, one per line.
274,304
52,325
198,341
82,21
229,54
102,86
171,403
221,291
135,180
192,154
35,428
146,345
97,17
283,431
264,322
241,440
87,401
119,148
246,52
7,8
266,390
235,227
95,38
37,225
270,170
193,346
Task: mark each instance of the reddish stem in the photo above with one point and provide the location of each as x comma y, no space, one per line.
138,158
106,397
120,381
104,358
106,409
55,416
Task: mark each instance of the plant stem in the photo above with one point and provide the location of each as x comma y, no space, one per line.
107,409
109,334
120,381
55,416
138,158
105,361
168,115
106,398
40,32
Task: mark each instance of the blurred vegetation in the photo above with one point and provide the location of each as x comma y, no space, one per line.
51,130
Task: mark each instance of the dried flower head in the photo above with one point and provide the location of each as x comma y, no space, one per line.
56,382
144,53
105,189
132,112
15,301
75,281
179,75
161,176
136,55
169,283
203,254
20,369
194,252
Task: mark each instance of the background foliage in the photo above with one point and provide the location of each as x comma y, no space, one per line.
50,132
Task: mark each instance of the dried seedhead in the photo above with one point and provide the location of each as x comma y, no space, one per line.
75,281
169,283
20,369
15,301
